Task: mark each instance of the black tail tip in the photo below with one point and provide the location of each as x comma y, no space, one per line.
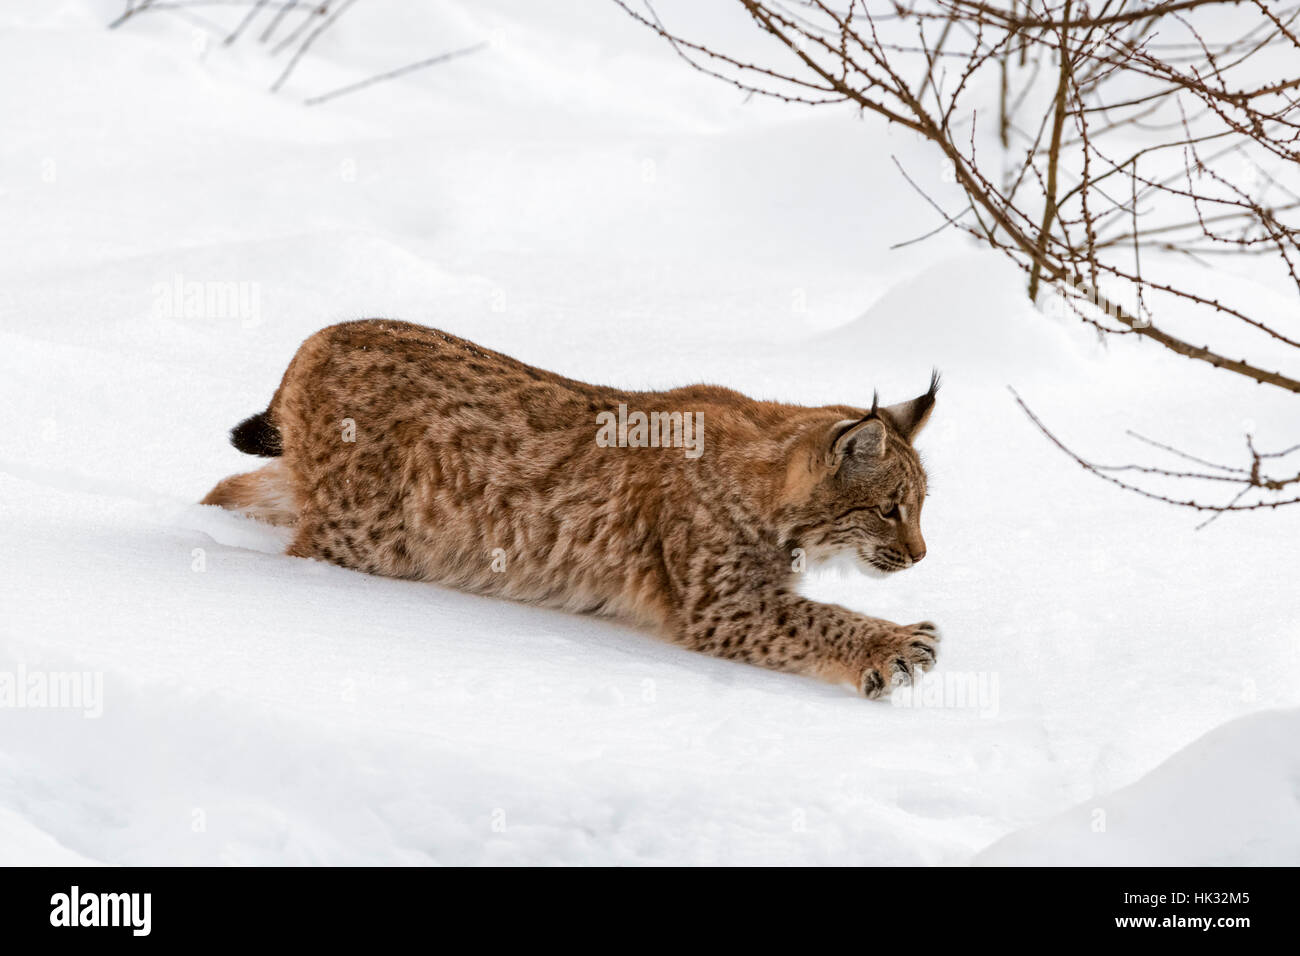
257,436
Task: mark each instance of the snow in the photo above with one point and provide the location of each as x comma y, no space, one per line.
25,845
575,197
1231,798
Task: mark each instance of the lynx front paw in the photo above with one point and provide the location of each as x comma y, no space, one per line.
895,657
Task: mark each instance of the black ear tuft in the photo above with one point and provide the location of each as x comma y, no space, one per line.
908,418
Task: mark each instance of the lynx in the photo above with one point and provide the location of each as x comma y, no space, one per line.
405,451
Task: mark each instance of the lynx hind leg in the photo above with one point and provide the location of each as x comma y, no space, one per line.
265,494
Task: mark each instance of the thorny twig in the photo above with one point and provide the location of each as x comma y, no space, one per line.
1196,115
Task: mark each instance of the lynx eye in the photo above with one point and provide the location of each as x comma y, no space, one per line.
889,511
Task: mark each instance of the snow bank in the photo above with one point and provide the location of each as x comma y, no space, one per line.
1232,798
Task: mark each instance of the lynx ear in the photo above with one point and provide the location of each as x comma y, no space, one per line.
908,418
855,438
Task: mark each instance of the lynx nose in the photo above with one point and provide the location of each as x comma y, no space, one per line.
917,552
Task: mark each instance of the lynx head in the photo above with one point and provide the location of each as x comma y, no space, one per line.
870,488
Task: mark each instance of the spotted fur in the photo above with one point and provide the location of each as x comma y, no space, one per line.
405,451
